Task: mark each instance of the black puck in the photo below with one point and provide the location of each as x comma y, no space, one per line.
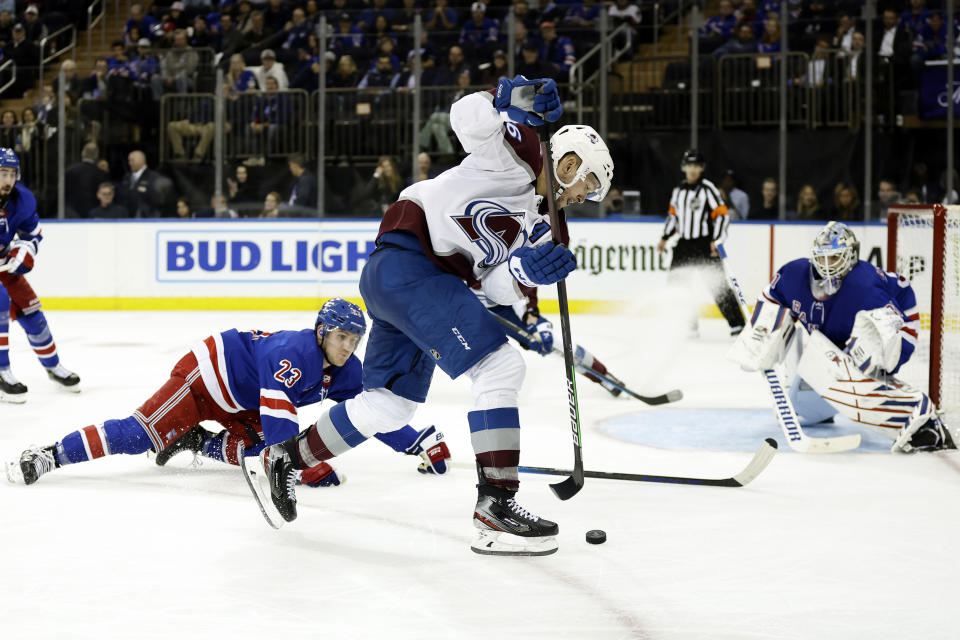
596,536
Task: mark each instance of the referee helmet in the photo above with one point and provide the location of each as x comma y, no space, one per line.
692,156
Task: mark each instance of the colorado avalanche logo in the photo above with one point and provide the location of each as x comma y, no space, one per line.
492,228
592,137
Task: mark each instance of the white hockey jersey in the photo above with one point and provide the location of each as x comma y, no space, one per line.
470,218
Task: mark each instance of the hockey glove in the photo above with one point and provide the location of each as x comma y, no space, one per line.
322,475
21,257
545,264
528,102
542,331
430,446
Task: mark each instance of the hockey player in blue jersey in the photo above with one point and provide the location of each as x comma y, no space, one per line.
476,223
860,328
19,238
251,382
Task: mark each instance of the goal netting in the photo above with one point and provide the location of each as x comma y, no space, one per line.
923,245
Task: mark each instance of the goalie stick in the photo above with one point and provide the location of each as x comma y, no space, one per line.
569,487
760,460
783,408
664,398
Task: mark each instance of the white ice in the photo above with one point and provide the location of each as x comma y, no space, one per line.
857,545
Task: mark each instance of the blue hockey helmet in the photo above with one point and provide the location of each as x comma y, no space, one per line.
337,313
836,251
9,159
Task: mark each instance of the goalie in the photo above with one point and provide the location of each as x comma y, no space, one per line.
861,327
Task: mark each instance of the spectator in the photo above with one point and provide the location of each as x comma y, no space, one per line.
911,197
738,200
348,37
381,75
118,56
256,33
718,28
218,209
144,65
142,189
919,181
239,78
72,82
819,69
581,15
227,40
388,47
531,65
491,72
269,68
813,23
346,74
298,33
893,52
448,74
96,85
424,170
34,27
308,78
130,40
6,29
625,12
242,19
747,14
176,18
141,21
46,106
200,124
808,205
930,43
479,31
81,181
744,42
769,208
183,208
303,196
271,206
29,135
558,51
378,32
271,112
846,202
107,208
770,40
403,19
9,129
26,56
442,23
613,203
853,68
276,15
914,18
369,15
843,36
178,68
201,34
887,195
243,194
384,186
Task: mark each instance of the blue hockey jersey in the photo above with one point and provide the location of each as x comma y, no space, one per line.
866,287
19,219
275,373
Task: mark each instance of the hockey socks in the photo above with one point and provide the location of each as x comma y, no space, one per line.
331,435
96,441
495,435
5,338
38,334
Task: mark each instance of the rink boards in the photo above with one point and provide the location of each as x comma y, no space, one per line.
288,264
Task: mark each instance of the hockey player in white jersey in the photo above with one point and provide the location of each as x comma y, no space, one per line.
860,328
475,223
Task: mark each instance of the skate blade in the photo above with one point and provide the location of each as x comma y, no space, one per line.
501,543
14,472
13,398
260,488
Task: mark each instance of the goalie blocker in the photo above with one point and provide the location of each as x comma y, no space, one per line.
860,328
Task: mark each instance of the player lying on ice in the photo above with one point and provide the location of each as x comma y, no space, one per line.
19,239
477,222
251,382
861,327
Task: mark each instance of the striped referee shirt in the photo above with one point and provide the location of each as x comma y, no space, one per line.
697,211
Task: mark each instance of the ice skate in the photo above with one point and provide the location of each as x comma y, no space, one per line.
504,528
932,435
272,479
33,463
11,389
192,440
67,379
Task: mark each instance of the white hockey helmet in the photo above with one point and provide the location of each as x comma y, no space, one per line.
593,153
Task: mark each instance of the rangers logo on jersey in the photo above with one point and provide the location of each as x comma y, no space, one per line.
492,228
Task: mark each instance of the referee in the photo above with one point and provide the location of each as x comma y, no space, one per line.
699,216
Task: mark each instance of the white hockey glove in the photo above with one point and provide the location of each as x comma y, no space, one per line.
875,340
21,257
762,345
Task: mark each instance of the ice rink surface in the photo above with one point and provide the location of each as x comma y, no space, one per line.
854,545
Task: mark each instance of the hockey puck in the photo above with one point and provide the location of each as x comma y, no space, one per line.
596,536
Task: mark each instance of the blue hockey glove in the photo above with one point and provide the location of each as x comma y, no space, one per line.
542,329
529,101
430,446
322,475
545,264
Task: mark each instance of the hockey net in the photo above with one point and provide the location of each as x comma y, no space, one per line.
923,244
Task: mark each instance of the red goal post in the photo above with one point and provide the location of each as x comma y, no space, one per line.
923,244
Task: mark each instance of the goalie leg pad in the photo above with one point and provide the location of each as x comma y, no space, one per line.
888,403
811,408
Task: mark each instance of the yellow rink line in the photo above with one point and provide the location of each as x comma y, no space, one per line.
295,304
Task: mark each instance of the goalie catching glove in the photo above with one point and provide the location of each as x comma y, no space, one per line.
875,340
764,343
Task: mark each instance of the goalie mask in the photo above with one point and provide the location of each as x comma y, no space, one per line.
836,252
594,156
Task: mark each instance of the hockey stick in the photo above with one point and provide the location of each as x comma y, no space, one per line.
670,396
760,460
783,408
569,487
